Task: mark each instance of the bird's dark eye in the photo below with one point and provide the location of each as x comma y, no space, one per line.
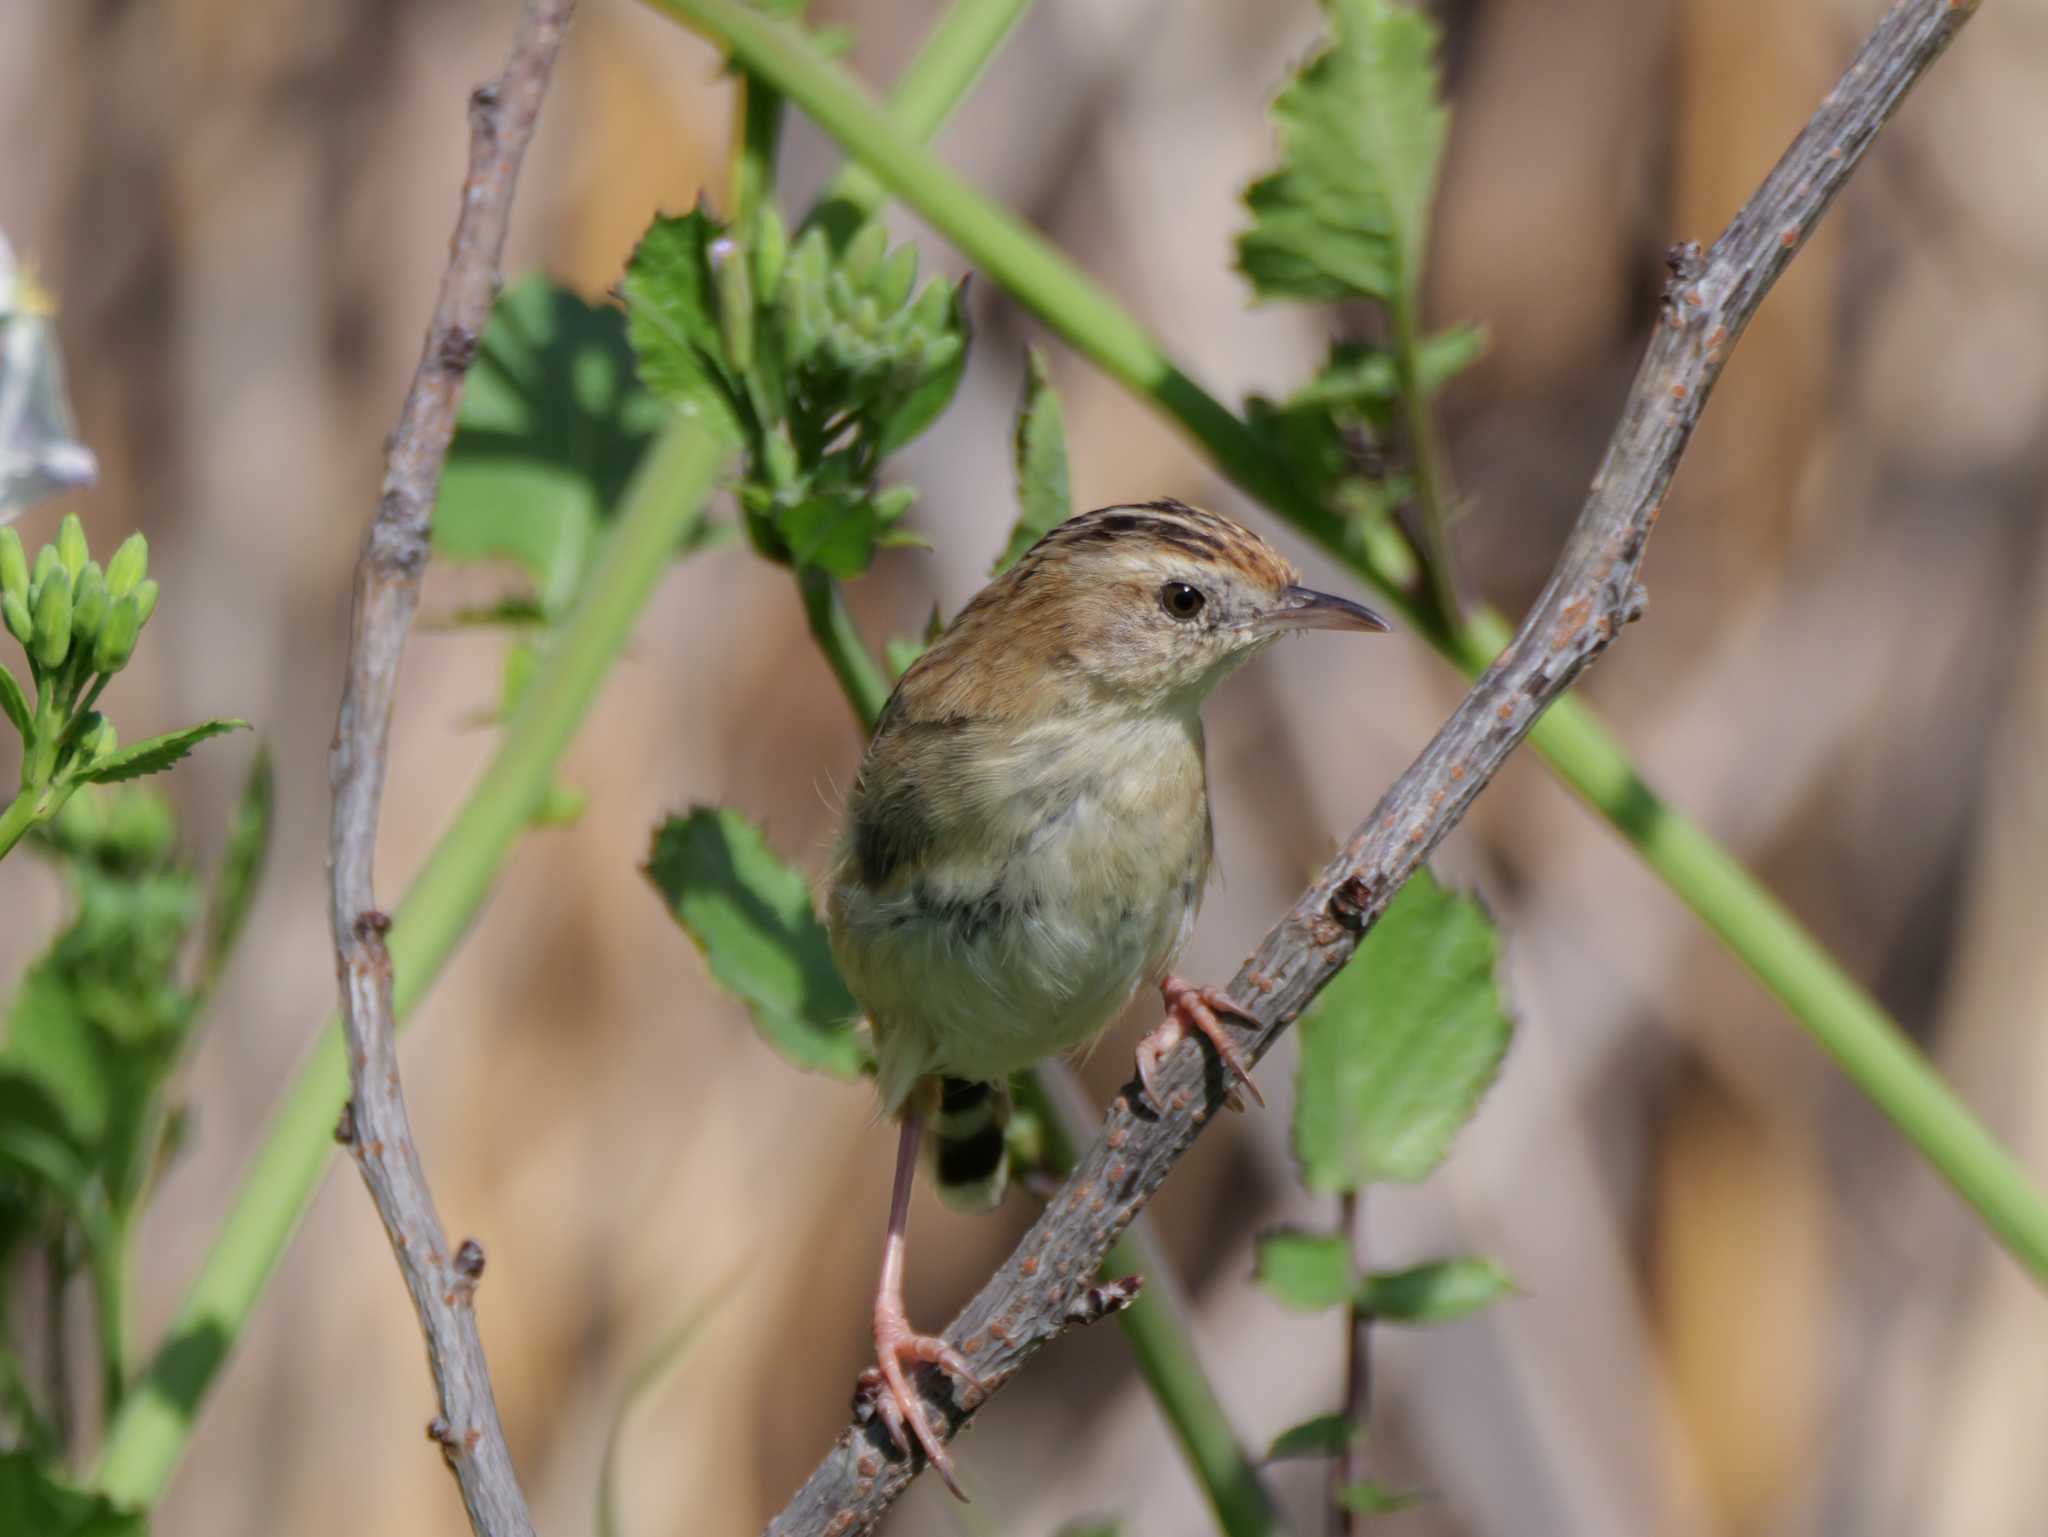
1180,600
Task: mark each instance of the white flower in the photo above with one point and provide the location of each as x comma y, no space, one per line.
39,449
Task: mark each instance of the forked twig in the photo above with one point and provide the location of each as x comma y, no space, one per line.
1592,592
441,1278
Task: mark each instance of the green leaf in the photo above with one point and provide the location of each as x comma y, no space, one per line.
1370,1499
158,753
241,866
1435,1293
1362,131
1306,1271
752,917
1398,1049
1043,499
15,703
672,320
37,1142
1363,379
34,1500
1327,1435
554,422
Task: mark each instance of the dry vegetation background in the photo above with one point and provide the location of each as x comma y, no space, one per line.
1749,1310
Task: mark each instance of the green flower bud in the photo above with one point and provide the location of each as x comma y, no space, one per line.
736,313
116,642
53,621
129,565
771,249
13,564
933,312
71,544
145,602
941,353
88,603
19,624
867,315
95,737
864,252
898,276
839,292
46,562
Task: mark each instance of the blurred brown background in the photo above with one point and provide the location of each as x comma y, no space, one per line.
1749,1310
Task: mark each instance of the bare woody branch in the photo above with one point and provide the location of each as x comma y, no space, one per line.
441,1278
1592,592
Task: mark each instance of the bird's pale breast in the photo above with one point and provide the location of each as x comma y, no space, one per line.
1001,893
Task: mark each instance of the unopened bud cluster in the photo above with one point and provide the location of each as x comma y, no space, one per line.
78,623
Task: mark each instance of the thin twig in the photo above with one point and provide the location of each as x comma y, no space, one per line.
1592,592
442,1279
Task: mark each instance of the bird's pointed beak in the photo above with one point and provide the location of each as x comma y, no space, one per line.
1301,608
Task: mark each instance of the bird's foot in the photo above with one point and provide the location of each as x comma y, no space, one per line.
1191,1007
886,1389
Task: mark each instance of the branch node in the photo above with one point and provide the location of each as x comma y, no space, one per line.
1351,901
1100,1302
345,1128
371,925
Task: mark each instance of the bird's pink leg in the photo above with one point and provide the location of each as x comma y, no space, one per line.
1189,1006
896,1343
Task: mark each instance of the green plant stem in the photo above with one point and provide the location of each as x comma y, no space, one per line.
1763,935
1157,1327
661,507
111,1251
21,814
832,627
1433,496
155,1422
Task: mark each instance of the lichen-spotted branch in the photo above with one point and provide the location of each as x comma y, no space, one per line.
1591,594
442,1278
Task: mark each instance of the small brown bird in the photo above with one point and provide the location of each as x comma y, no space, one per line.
1028,839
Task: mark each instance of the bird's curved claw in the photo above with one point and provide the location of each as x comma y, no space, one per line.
1191,1007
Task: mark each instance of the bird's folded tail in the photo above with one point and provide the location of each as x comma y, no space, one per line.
970,1154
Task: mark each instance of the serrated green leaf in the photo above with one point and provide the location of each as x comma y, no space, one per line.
1370,1499
35,1502
1398,1049
837,532
1362,131
156,754
1435,1293
241,866
15,704
1326,1435
672,321
1040,450
554,422
752,917
1306,1271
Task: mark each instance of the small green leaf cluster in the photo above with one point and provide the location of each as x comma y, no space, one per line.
818,361
1396,1054
78,623
94,1033
1345,218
